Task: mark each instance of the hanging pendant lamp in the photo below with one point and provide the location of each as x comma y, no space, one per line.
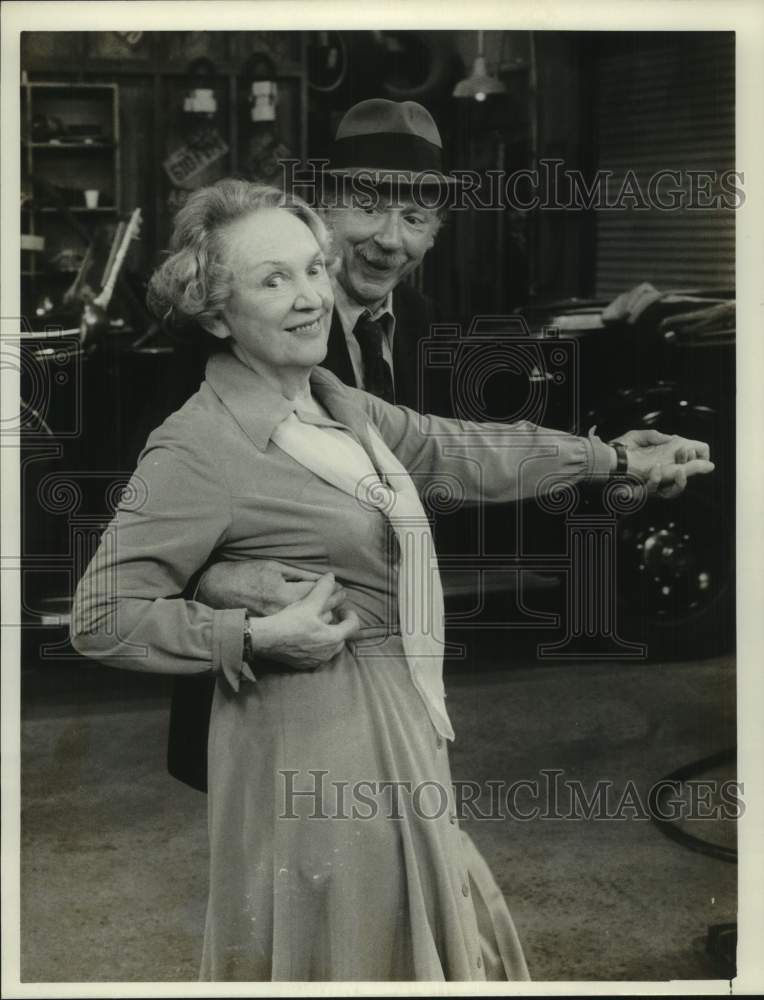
480,83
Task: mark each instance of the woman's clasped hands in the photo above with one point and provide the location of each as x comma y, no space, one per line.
308,633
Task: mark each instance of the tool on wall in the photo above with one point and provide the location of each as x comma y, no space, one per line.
132,38
417,65
327,61
94,315
67,255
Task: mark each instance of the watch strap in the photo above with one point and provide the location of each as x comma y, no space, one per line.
622,459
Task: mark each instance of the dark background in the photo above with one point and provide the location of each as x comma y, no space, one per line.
596,101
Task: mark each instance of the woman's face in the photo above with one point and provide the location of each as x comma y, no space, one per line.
279,309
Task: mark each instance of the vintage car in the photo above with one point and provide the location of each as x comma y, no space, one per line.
663,584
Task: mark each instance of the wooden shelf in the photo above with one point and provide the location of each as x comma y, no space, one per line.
70,145
155,84
50,273
49,209
223,70
67,85
87,157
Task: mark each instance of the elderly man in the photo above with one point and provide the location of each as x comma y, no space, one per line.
386,169
376,209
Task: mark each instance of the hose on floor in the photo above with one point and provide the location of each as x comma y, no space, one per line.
669,828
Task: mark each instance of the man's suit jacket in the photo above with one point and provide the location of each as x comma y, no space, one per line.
192,696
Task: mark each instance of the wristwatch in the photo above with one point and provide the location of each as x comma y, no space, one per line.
622,462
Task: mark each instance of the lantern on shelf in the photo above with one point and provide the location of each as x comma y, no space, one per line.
264,146
198,149
200,105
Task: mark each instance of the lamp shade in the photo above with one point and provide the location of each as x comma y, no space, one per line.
479,84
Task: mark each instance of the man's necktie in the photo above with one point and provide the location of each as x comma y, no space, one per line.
378,378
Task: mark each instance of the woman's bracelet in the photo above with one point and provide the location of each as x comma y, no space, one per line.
247,654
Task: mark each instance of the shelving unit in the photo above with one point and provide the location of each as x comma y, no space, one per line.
70,144
153,72
126,388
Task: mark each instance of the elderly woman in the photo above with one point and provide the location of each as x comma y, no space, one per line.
335,849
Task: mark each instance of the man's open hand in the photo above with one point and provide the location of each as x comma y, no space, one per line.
664,462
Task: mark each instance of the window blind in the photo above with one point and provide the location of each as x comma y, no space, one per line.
666,102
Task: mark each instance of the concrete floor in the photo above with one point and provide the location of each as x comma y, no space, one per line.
114,851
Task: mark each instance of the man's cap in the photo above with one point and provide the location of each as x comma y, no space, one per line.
389,140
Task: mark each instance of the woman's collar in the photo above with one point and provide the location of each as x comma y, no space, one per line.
258,408
253,402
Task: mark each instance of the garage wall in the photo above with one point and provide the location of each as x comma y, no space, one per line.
666,102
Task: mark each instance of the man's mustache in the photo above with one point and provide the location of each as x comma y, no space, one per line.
383,260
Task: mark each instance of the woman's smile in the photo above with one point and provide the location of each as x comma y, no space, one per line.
279,307
314,326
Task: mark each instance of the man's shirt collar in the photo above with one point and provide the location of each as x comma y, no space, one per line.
349,310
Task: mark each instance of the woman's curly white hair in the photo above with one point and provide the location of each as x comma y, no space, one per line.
193,283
